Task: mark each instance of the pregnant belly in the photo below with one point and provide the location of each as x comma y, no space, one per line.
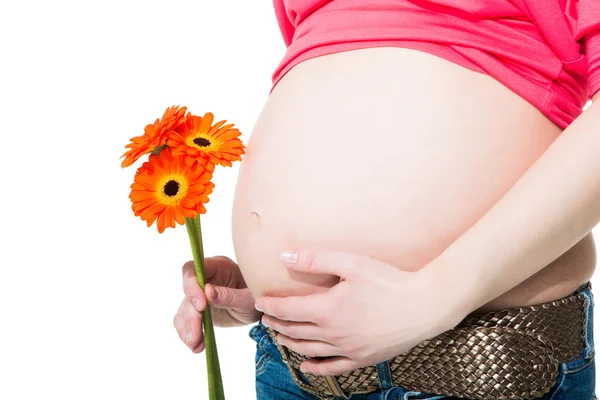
389,153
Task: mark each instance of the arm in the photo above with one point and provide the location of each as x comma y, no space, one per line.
552,206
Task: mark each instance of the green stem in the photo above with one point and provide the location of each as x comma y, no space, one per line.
215,382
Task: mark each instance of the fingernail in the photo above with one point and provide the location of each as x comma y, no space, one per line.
215,293
188,337
196,303
290,256
258,307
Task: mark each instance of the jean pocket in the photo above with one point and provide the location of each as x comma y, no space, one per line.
261,361
399,393
575,382
265,347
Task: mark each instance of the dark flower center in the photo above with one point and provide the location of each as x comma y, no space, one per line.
171,188
202,142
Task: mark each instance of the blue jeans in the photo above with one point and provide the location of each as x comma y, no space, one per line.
576,379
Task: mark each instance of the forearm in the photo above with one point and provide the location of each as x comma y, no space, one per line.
553,206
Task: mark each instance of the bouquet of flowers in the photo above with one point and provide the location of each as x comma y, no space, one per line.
173,186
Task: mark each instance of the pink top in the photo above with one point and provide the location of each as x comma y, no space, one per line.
546,51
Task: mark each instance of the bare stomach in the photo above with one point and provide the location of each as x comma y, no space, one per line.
389,153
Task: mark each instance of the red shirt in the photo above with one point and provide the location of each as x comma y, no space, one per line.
546,51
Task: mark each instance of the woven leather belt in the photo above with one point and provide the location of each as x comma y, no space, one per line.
507,354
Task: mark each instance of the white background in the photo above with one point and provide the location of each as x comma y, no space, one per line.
87,291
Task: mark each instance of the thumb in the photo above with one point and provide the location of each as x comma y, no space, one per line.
224,297
344,265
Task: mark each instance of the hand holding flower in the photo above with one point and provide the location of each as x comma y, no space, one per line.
225,291
375,312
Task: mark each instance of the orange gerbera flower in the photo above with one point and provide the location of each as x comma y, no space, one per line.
154,135
199,140
167,190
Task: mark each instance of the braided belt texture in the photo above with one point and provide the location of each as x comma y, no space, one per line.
507,354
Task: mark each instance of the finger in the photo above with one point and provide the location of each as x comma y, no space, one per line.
330,366
200,347
179,321
309,348
293,308
193,325
224,297
344,265
296,330
218,264
191,289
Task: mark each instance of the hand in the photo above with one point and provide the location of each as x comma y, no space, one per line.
226,292
375,312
